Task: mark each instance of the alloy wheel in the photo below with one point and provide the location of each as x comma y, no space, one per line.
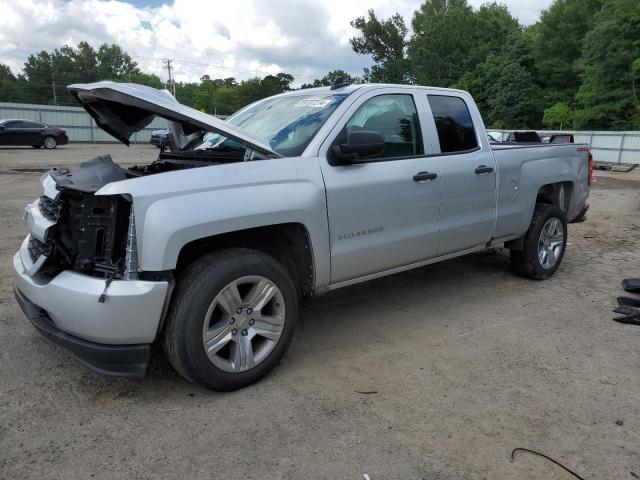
50,142
550,243
243,323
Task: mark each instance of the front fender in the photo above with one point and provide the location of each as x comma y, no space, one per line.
175,208
170,224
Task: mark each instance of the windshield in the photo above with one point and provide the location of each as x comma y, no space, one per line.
288,123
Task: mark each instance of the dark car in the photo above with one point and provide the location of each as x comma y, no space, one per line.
160,138
26,132
524,137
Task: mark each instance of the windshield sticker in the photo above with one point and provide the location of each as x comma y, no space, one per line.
314,102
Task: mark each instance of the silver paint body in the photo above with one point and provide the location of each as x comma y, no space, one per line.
364,221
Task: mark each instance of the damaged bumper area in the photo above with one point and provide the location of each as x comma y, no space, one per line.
112,337
76,275
114,360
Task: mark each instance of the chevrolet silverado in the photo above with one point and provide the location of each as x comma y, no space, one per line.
208,250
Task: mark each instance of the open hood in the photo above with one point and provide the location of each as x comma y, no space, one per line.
121,109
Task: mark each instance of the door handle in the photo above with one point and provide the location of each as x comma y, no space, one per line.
483,170
424,176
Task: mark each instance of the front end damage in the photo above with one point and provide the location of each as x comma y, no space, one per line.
76,273
71,228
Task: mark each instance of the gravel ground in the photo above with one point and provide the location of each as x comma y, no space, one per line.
27,159
460,362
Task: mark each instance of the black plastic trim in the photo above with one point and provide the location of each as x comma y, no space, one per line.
362,161
128,361
458,152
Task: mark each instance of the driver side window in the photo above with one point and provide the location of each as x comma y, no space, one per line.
396,118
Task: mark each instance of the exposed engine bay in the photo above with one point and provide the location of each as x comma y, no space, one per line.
185,159
88,234
92,233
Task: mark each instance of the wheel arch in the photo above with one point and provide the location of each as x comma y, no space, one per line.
559,193
289,243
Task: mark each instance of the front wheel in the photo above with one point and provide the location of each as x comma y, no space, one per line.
544,244
231,319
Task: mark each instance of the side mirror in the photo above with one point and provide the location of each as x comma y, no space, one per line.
2,127
359,144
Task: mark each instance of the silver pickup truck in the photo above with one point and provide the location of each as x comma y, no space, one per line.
208,250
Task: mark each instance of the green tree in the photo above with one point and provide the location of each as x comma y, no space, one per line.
504,86
559,115
113,63
636,92
38,72
609,67
385,42
331,78
8,85
557,46
450,38
48,73
84,61
142,78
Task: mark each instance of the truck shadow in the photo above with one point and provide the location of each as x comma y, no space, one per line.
329,322
420,290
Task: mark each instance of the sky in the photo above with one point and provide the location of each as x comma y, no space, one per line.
221,38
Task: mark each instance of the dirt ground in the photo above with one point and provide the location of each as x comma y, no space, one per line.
460,362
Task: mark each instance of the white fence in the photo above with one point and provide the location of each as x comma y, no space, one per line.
609,147
612,147
79,125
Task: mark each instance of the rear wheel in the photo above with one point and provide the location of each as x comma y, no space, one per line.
544,244
231,320
50,143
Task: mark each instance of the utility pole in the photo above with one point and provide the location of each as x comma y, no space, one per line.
172,87
53,85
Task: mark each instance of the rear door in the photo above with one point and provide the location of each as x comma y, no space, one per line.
468,171
382,213
31,133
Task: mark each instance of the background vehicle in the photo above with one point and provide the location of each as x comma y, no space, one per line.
160,138
26,132
209,249
561,138
523,137
496,136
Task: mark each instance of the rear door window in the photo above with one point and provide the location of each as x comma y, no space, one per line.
456,132
26,124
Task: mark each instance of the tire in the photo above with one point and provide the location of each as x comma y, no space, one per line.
49,142
532,262
202,310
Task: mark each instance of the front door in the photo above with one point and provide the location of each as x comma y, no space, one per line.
382,213
8,135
